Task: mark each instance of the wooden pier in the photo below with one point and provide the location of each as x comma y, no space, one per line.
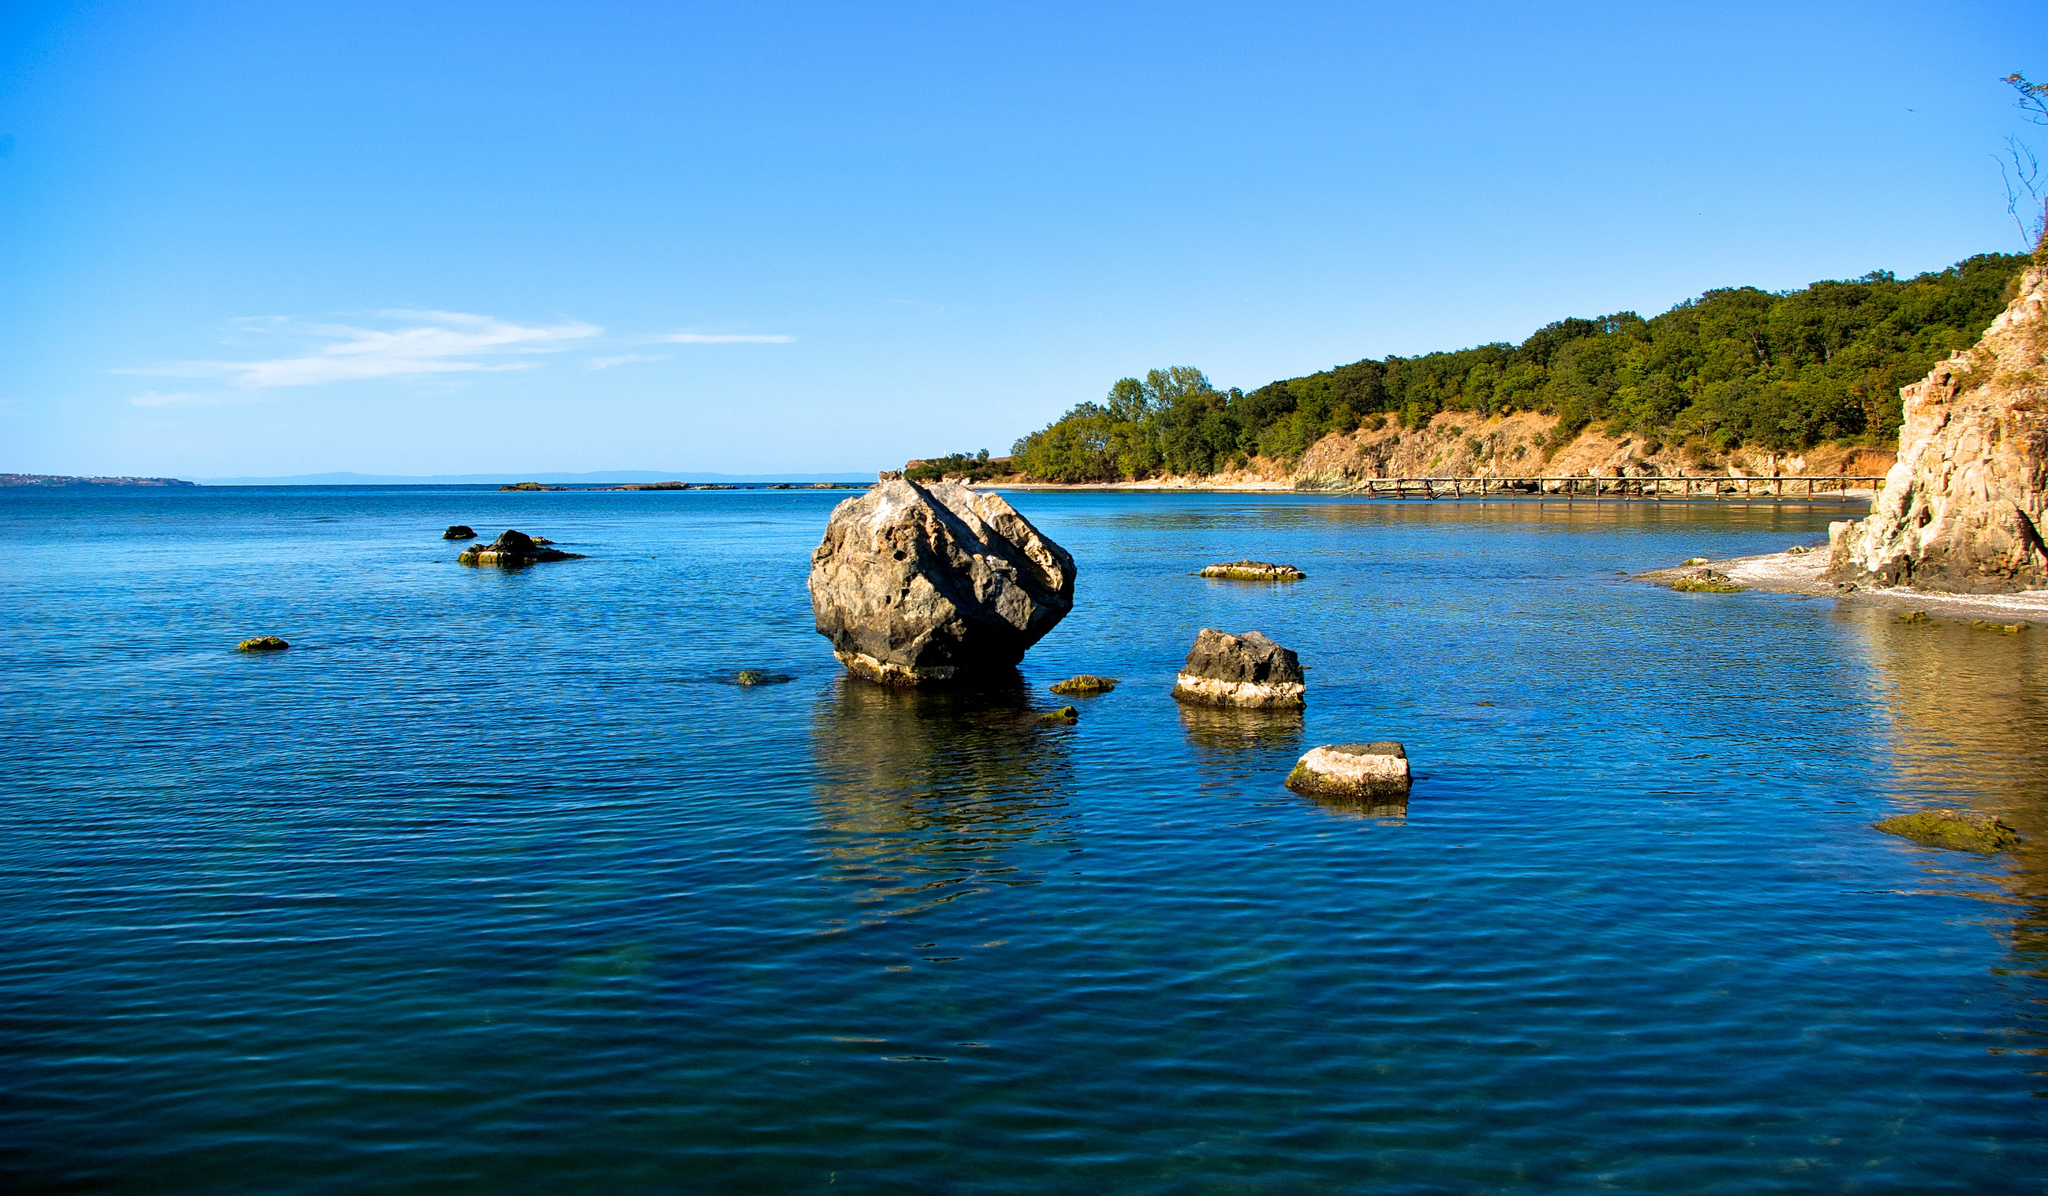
1834,488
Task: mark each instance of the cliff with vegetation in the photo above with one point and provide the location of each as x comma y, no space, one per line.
1797,382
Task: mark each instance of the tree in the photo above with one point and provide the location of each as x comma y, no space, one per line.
2024,187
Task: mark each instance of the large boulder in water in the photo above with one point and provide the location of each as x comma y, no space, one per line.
1962,510
921,584
1247,670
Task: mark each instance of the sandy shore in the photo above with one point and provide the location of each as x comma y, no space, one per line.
1800,573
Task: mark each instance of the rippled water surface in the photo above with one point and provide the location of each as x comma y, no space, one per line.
490,885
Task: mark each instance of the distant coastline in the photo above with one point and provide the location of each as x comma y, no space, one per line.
58,481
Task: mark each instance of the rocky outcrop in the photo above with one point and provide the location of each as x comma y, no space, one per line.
460,531
1245,670
513,548
1252,571
935,584
1352,770
262,643
1962,509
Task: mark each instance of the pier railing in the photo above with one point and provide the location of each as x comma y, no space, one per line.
1835,487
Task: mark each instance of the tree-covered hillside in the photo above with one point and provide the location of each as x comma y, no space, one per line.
1735,366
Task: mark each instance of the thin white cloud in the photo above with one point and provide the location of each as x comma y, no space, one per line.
605,363
723,338
150,398
419,342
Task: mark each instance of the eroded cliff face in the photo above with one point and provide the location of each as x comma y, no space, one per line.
1962,509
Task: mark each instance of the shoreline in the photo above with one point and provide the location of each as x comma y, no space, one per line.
1799,574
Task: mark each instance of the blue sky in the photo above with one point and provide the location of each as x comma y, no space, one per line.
263,239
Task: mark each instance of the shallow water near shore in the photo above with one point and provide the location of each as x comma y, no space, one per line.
488,884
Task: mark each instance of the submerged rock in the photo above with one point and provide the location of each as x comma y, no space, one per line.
1083,684
1245,670
1962,509
1914,616
1253,571
1957,830
262,643
935,584
751,677
461,531
1065,714
514,548
1352,770
2006,628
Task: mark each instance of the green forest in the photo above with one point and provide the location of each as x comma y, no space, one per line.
1735,366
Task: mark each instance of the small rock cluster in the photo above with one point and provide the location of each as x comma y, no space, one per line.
513,548
1253,571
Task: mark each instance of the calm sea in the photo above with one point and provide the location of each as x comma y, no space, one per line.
489,884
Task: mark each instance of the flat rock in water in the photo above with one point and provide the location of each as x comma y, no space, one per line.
1245,670
1957,830
935,584
1084,684
1352,770
1706,581
514,548
1253,571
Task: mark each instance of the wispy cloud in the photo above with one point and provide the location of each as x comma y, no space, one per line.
723,338
605,363
150,398
412,343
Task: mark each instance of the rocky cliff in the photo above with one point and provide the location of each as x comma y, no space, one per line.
1962,509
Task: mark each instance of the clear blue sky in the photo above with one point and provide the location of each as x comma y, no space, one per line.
263,239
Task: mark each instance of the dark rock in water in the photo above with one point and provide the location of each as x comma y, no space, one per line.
1253,571
530,486
461,531
935,584
1957,830
1065,714
514,548
262,643
751,677
1084,684
1352,770
1246,670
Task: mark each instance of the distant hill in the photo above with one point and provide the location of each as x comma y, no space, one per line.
58,481
1781,372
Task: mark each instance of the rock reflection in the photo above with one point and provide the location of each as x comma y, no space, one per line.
1969,715
926,797
1222,729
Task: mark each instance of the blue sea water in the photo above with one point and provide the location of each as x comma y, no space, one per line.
491,884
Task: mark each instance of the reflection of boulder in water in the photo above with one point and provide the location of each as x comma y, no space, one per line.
1970,729
1232,729
928,795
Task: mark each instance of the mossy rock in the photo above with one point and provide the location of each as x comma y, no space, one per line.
1065,714
752,677
262,643
2003,628
1914,616
1693,560
1084,684
1957,830
1252,571
1707,581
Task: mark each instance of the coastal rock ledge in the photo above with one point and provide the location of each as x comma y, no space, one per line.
933,584
1245,670
1961,511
